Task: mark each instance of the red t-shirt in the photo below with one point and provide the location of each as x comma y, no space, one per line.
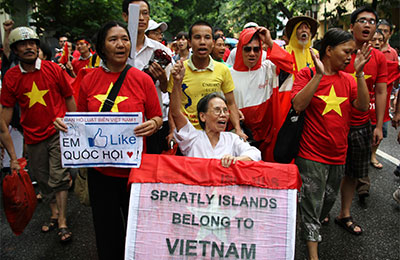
137,94
78,64
40,94
375,71
390,55
327,123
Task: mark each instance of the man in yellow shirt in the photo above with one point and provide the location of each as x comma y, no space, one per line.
204,76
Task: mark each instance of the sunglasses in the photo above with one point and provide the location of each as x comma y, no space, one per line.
249,48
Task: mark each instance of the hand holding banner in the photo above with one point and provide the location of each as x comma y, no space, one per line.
193,208
101,140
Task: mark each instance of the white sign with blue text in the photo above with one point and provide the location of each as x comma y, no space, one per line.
101,140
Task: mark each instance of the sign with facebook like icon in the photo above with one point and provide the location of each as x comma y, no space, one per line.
101,140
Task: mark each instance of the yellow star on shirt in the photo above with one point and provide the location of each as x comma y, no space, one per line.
103,97
332,102
36,95
355,78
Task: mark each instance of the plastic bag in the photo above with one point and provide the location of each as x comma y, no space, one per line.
19,199
81,188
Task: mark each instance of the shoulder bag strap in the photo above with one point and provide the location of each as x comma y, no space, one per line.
109,102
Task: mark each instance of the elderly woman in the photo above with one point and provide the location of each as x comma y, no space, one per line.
109,197
326,94
212,141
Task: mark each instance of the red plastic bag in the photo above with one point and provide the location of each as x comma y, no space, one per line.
19,199
171,151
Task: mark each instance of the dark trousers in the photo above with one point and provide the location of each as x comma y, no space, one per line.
157,142
109,199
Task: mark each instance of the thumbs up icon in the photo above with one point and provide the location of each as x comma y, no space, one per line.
98,140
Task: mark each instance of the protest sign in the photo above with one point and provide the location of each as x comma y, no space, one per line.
192,208
101,140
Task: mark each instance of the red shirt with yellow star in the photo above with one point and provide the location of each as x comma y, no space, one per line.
327,120
375,71
41,96
78,64
137,94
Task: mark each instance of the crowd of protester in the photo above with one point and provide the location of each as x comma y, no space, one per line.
213,100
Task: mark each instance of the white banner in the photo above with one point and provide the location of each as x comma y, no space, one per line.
101,140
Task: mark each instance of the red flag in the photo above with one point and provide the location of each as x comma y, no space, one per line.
65,54
209,172
76,83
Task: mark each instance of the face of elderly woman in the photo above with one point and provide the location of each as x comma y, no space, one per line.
340,55
117,46
217,115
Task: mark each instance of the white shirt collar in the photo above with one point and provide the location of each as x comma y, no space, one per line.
81,58
38,64
148,43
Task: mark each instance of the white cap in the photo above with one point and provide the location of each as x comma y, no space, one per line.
153,25
249,25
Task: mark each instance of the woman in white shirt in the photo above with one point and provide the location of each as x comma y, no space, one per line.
212,141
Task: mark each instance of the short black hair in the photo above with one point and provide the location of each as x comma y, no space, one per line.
385,22
334,37
216,29
45,49
182,34
198,23
381,33
202,106
361,9
217,36
125,5
102,34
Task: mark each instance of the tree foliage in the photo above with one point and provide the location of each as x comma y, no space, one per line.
84,17
76,17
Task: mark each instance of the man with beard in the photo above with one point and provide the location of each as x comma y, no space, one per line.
204,76
300,30
363,25
43,92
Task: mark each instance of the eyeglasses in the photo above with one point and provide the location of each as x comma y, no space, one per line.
157,33
249,48
364,21
218,111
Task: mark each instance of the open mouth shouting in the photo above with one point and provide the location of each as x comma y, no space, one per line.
222,123
304,36
365,33
202,51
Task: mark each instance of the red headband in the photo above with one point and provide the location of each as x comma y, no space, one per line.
83,41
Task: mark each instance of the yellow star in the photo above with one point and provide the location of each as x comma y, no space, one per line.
103,97
36,95
355,78
332,102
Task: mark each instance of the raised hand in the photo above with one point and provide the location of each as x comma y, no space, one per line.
178,72
8,25
319,67
362,57
265,36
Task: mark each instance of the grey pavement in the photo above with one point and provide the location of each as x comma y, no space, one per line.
380,221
